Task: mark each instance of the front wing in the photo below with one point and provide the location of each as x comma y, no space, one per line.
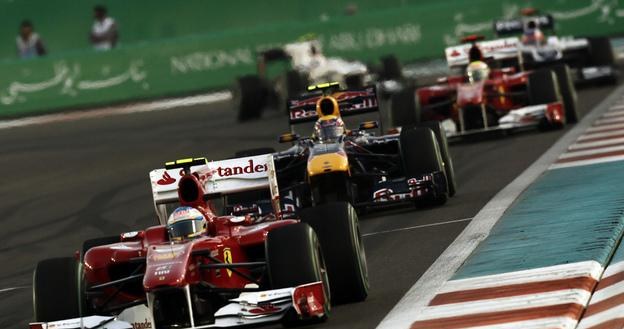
523,118
250,308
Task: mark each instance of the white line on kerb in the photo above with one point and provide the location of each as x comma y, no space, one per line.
420,294
13,288
418,226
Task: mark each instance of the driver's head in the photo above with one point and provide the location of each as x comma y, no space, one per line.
477,71
186,223
329,128
329,125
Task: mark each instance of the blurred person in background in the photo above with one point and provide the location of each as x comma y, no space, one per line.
104,31
29,44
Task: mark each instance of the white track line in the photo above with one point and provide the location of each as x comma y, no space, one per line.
165,104
418,226
421,293
13,288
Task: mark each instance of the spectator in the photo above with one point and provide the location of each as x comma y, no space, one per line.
29,44
104,31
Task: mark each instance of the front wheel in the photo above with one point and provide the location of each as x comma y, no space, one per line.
294,258
422,156
55,290
338,230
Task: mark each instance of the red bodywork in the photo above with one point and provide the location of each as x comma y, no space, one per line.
504,91
229,240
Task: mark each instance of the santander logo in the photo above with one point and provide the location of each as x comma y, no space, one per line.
250,168
166,179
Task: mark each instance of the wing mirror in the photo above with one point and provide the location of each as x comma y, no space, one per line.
288,137
366,125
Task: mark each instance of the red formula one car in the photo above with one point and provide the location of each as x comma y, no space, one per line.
259,263
488,95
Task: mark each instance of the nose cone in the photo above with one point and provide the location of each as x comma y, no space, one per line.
325,163
166,265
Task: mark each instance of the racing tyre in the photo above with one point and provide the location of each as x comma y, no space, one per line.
330,187
421,155
404,108
543,88
290,85
250,97
338,230
295,257
449,170
55,290
601,52
568,92
354,81
391,68
253,152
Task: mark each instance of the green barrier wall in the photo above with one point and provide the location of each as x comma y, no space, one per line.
172,60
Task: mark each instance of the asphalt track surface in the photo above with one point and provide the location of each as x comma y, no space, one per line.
62,183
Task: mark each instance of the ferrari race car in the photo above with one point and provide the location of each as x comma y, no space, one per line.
257,263
490,95
304,64
411,166
589,59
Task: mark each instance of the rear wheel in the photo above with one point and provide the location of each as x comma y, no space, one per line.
55,290
391,68
338,230
250,97
568,92
543,88
405,108
295,257
421,156
601,52
289,85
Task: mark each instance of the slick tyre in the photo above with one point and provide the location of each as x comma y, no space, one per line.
449,170
421,155
295,257
568,92
543,88
338,230
250,97
601,52
405,108
391,68
55,290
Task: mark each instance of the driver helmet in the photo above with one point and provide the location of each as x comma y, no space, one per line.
329,125
532,34
186,223
477,71
329,128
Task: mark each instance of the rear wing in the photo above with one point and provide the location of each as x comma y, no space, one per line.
516,25
351,102
491,49
218,178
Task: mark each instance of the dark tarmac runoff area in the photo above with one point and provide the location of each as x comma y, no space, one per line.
65,182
